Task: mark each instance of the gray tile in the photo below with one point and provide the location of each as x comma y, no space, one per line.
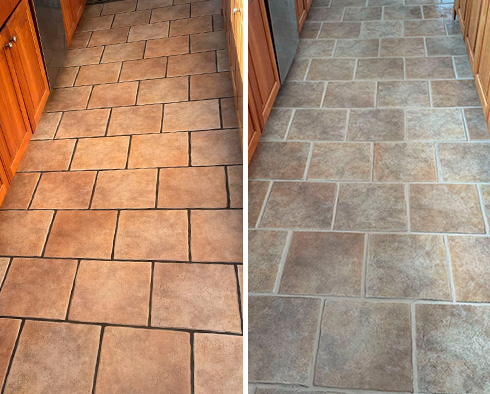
407,266
463,68
403,94
448,46
405,162
382,29
401,12
257,191
445,208
363,14
331,70
319,124
357,48
298,69
402,47
281,333
348,3
469,261
364,206
452,27
379,69
306,205
459,93
265,250
485,190
435,124
300,94
465,162
315,48
279,160
340,30
310,30
350,95
424,28
261,390
365,345
325,14
477,124
341,161
438,11
429,68
384,2
376,125
453,343
277,124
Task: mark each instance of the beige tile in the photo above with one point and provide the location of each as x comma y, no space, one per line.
171,13
379,69
402,47
257,191
47,126
140,119
47,156
113,95
132,18
403,94
79,57
101,153
376,125
277,125
80,39
424,28
358,13
165,90
112,292
429,68
167,46
353,48
20,191
68,99
149,4
119,7
331,69
87,123
148,32
143,69
340,30
109,37
309,124
465,162
208,86
159,150
66,77
95,23
182,27
454,93
229,114
121,52
9,329
38,288
208,41
194,115
380,29
298,70
350,95
476,123
216,147
195,296
435,124
448,46
193,63
485,191
235,185
152,235
98,73
93,10
300,95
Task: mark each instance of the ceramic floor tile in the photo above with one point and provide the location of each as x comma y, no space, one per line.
438,11
310,124
141,119
315,48
424,28
66,77
462,67
403,94
159,150
98,74
206,8
376,125
95,23
109,37
429,68
485,190
300,94
121,52
235,185
119,7
131,18
311,30
88,123
80,39
143,69
47,126
208,41
379,69
47,156
100,153
216,147
182,27
435,124
170,13
9,329
20,191
357,48
340,30
400,12
195,296
448,46
278,123
165,90
167,46
148,32
350,95
331,69
361,13
476,123
150,4
257,191
465,162
79,57
193,63
402,47
208,86
68,99
381,29
298,70
194,115
454,93
113,95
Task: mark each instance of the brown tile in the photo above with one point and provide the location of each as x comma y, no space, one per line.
194,63
355,48
38,288
331,70
171,13
143,69
148,32
195,115
9,329
20,191
350,95
64,190
465,162
403,94
79,57
208,41
47,126
152,235
324,263
23,233
182,27
380,207
235,185
300,205
209,86
218,363
68,99
340,30
80,39
47,156
138,367
50,357
140,119
118,7
198,187
460,93
112,292
121,52
300,94
424,28
206,8
195,296
435,124
216,147
95,23
159,150
167,46
101,153
429,68
84,234
376,125
113,95
476,123
445,208
93,10
109,37
98,73
125,189
149,4
88,123
165,90
218,22
407,266
402,47
229,114
257,191
216,235
66,77
132,18
379,69
223,60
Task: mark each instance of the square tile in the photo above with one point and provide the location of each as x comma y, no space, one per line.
324,263
424,28
340,30
68,99
401,12
47,126
452,347
143,69
402,47
435,124
300,95
112,292
331,70
195,296
282,334
109,37
23,233
379,69
341,161
64,190
208,86
193,63
379,207
171,13
216,147
300,205
138,366
125,189
182,27
148,32
87,123
50,358
216,236
9,329
403,94
194,115
407,266
448,46
311,124
159,150
376,125
101,153
404,162
460,93
192,187
79,57
121,52
476,123
38,288
445,208
141,119
381,330
113,95
357,48
429,68
350,95
88,234
465,162
132,18
152,235
20,191
257,192
208,41
167,46
47,156
165,90
380,29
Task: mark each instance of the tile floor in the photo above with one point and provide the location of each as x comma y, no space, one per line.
121,236
369,210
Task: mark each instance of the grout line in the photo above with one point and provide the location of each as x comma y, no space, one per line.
227,185
189,234
449,267
116,228
192,362
316,345
34,191
266,199
371,160
152,280
365,261
407,201
11,359
483,209
48,233
239,296
6,273
282,262
335,205
97,363
93,190
308,161
290,124
414,348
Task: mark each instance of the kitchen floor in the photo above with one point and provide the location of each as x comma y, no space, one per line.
369,210
121,235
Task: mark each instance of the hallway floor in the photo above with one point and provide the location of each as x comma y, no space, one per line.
121,235
370,208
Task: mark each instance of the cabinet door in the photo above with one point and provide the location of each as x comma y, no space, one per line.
26,61
300,13
254,129
72,12
472,25
482,59
3,183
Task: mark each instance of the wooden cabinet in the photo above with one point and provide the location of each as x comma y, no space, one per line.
302,8
72,12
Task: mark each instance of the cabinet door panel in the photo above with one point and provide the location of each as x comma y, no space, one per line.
472,25
72,12
301,10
